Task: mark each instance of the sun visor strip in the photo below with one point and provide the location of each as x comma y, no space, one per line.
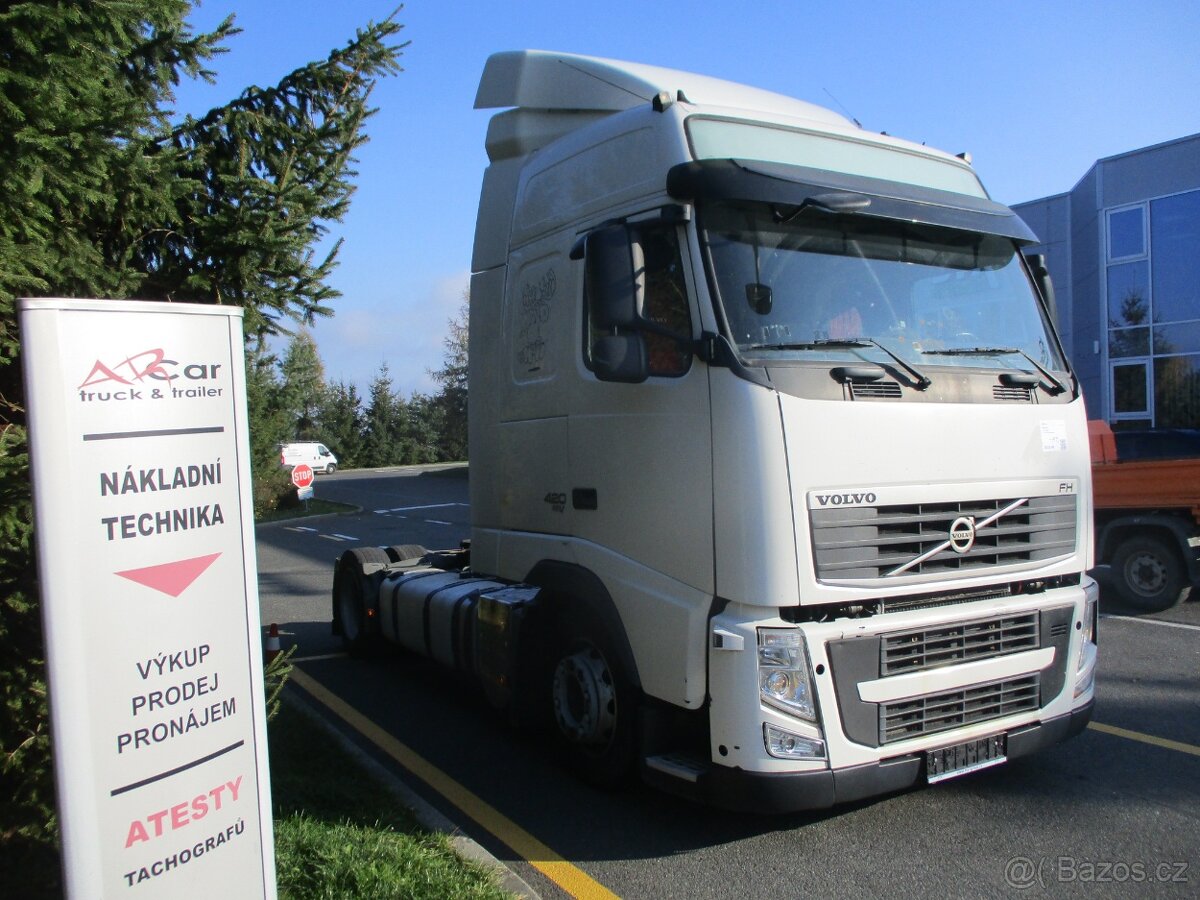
730,179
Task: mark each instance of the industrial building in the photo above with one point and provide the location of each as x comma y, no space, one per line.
1123,247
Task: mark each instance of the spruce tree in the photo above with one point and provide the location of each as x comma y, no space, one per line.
340,420
102,195
302,386
450,403
381,423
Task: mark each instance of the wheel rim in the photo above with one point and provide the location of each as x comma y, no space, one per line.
585,698
1146,574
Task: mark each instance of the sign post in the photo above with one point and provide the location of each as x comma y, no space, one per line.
302,478
140,456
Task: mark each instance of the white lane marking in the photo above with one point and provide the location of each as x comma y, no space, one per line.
299,528
318,657
1182,625
438,522
397,509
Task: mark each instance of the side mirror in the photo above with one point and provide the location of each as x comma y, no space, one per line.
620,357
613,274
612,278
1041,277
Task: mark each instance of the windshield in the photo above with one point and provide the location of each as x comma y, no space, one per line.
800,283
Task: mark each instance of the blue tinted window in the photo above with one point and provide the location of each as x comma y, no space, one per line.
1175,237
1128,342
1126,236
1129,389
1128,295
1177,392
1184,338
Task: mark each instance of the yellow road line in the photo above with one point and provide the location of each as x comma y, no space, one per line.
1145,738
570,878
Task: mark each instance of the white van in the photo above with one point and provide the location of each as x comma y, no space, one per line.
316,455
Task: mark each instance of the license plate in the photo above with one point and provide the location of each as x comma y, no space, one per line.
950,762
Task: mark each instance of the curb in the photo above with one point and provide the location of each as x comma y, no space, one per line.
426,815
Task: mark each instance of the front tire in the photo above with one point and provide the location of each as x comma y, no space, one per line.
593,706
330,469
1149,574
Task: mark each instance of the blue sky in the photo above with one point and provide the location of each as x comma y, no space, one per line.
1036,91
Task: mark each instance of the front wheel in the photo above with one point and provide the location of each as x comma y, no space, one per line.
330,469
593,707
1149,573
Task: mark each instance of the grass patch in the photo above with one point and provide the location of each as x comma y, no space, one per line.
340,833
314,507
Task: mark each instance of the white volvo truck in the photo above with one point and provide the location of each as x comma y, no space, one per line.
780,487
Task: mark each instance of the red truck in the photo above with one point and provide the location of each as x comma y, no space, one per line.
1147,508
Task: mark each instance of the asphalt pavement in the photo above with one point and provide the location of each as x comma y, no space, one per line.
1111,812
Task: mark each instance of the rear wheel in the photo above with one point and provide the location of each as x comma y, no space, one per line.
352,600
404,552
1149,573
592,703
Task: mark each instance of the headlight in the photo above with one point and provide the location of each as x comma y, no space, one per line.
1090,626
1085,672
783,677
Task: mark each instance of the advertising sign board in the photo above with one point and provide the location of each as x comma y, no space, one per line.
145,533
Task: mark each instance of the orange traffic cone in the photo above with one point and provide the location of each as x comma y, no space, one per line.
272,650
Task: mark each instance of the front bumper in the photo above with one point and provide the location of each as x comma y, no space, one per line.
759,792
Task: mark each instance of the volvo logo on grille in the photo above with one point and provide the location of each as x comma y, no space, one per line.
962,534
961,539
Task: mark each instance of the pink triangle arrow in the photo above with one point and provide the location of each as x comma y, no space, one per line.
171,578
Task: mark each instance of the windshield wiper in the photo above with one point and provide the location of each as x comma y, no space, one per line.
922,382
806,345
1058,386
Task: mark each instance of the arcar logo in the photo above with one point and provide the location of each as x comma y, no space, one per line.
147,364
846,499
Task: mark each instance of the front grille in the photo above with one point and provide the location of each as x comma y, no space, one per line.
934,713
873,542
928,648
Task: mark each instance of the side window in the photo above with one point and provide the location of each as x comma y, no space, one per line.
662,302
665,302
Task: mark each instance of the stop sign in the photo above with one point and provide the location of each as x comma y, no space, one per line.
302,475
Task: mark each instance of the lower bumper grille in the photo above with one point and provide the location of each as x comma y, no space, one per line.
934,713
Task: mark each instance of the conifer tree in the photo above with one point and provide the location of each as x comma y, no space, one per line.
102,195
450,403
302,386
340,419
381,423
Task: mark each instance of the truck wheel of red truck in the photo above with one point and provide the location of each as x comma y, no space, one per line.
593,706
1149,573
